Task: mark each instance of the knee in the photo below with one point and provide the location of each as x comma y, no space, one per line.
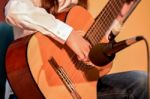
140,80
139,85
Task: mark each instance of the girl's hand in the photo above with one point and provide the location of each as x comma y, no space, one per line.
79,45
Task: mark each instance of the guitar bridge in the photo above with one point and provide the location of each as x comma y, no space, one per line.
64,78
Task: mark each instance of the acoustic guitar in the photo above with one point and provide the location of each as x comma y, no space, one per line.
39,67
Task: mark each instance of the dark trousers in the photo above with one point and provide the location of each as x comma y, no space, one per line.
6,37
125,85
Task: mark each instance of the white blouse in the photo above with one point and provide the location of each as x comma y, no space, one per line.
26,16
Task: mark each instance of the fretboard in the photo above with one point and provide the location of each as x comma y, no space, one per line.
104,20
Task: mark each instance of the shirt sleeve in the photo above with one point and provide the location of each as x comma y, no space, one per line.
25,15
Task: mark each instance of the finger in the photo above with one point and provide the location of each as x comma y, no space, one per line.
81,57
86,52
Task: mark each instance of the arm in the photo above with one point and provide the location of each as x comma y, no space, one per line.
25,15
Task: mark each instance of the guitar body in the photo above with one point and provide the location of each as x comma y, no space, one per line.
39,67
30,74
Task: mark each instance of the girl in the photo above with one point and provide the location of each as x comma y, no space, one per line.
29,16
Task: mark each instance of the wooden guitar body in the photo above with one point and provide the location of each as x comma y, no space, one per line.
33,77
39,67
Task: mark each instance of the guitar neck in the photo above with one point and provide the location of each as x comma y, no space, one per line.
105,19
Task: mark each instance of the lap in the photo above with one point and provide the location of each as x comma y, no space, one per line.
121,85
